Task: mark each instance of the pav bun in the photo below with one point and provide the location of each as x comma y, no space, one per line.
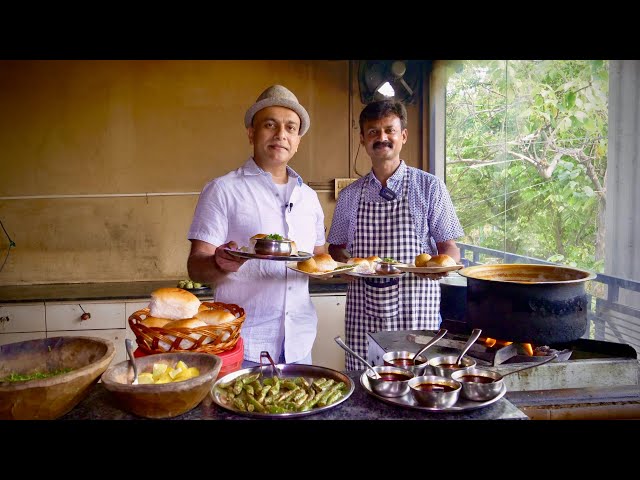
374,258
155,322
258,236
362,265
215,316
184,323
173,303
441,260
308,265
422,260
324,262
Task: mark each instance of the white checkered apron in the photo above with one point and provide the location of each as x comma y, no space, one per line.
386,229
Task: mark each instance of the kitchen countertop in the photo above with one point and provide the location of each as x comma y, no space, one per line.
99,405
124,290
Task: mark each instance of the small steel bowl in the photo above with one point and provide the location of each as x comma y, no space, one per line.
265,246
445,364
386,268
404,359
393,381
435,391
479,384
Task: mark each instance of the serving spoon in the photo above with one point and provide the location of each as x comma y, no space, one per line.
441,333
536,364
129,344
347,349
474,336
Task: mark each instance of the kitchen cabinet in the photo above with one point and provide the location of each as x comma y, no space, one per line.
22,322
330,310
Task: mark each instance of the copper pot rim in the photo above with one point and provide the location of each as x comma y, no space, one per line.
513,273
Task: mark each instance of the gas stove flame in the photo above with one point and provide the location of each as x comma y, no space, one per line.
493,342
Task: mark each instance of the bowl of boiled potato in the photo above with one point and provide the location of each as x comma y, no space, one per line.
169,384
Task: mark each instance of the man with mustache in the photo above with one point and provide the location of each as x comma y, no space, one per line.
264,195
394,211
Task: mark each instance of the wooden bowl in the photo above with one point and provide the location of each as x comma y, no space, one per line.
51,397
163,400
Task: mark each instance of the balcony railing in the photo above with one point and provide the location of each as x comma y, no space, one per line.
614,313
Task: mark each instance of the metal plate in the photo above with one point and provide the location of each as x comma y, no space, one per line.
330,274
414,269
309,372
462,405
374,275
282,258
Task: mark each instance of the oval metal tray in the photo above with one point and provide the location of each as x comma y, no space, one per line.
309,372
462,405
282,258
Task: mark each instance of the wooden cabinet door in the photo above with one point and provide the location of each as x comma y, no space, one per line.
68,316
26,317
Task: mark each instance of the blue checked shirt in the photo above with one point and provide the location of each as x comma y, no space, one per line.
430,205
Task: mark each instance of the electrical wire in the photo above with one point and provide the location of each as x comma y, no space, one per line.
11,244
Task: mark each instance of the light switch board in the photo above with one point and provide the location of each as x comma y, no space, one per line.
340,183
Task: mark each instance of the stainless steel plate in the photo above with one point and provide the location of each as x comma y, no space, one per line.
414,269
332,273
462,405
282,258
309,372
374,275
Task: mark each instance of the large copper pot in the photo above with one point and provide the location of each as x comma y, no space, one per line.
539,304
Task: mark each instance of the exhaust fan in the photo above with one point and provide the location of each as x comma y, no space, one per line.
399,79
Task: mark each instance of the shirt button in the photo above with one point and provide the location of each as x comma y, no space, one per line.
290,288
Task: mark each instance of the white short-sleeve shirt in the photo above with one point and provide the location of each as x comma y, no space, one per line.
276,300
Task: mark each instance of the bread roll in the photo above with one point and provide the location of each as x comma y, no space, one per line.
217,317
154,322
422,260
324,262
363,265
441,260
374,258
184,323
173,303
308,265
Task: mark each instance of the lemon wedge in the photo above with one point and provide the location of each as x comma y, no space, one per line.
159,369
145,378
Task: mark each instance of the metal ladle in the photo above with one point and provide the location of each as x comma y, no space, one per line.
441,333
347,349
536,364
129,344
474,336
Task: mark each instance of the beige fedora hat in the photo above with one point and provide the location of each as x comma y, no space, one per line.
278,96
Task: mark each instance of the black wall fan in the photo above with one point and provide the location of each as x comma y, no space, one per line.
404,76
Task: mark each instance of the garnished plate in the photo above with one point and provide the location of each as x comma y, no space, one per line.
374,275
281,258
342,268
413,269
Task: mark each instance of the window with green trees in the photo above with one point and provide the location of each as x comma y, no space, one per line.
526,156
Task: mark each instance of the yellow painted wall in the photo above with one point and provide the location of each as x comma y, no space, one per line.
121,132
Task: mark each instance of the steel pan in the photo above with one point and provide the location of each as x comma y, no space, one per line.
539,304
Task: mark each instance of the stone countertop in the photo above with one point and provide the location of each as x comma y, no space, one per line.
99,405
124,290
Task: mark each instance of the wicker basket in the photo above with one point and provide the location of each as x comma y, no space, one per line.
207,339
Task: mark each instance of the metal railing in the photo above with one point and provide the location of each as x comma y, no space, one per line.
613,314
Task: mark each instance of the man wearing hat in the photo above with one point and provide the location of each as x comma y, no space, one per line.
265,195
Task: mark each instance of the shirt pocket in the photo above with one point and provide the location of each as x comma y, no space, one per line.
382,298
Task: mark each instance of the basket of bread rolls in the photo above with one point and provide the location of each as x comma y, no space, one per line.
177,321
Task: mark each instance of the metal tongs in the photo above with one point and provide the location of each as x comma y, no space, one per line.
275,371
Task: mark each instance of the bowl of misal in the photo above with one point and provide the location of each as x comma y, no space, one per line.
274,244
479,384
435,391
46,378
445,365
168,397
405,359
392,381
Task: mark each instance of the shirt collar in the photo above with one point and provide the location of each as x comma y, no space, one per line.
250,167
395,181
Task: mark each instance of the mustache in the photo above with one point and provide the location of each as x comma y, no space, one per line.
382,144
